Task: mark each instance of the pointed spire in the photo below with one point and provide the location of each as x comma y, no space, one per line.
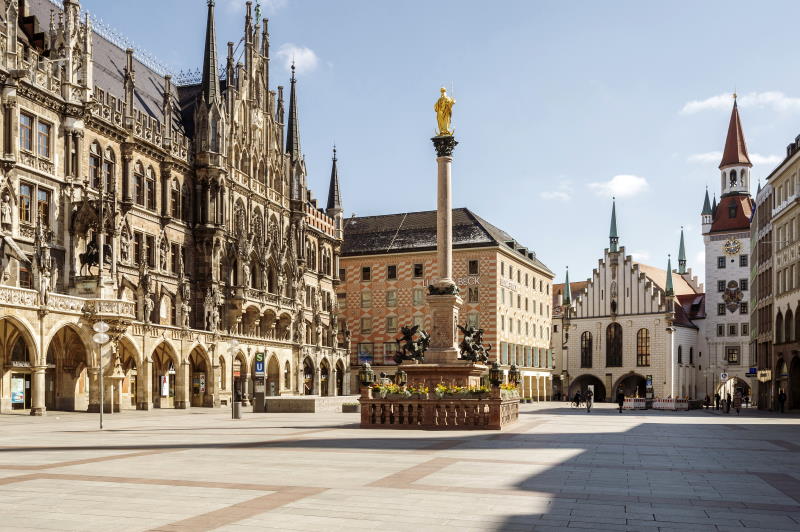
682,256
334,196
567,298
714,205
668,289
706,205
613,237
293,133
735,148
210,83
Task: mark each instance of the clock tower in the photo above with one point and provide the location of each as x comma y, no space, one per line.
726,233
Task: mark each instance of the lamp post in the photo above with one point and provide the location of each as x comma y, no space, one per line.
401,378
514,375
101,338
495,374
233,344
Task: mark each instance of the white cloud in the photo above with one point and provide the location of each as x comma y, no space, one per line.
621,186
716,156
775,100
563,192
640,256
305,60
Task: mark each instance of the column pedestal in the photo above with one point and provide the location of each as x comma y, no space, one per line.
37,387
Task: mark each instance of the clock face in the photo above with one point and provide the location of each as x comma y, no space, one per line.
732,247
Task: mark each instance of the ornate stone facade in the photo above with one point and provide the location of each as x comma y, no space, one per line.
178,213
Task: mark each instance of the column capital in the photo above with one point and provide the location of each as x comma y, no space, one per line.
444,145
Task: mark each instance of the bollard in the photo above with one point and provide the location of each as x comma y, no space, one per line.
237,410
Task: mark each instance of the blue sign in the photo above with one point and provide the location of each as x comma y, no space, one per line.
752,371
259,367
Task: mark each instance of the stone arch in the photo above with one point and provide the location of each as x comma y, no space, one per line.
283,326
273,384
779,328
325,377
68,359
633,385
340,373
201,375
267,324
309,376
135,384
19,356
788,323
582,382
251,320
166,366
239,374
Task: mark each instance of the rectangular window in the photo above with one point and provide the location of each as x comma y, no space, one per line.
366,325
473,318
720,286
743,261
502,323
743,308
472,294
342,274
720,262
43,139
720,330
138,243
391,324
510,271
511,325
150,250
745,328
555,328
419,320
174,257
25,277
365,353
418,297
43,206
150,192
389,350
502,296
502,268
175,203
391,271
366,273
418,271
391,298
720,309
26,132
366,299
743,284
732,355
25,201
472,267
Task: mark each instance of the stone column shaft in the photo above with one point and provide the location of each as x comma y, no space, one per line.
444,220
37,388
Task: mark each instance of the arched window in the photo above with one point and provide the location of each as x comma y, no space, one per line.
691,355
95,162
788,321
586,350
643,347
223,379
150,188
109,166
680,354
19,353
733,178
138,184
185,210
614,345
175,200
779,328
287,377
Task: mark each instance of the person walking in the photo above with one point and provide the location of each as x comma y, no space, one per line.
620,399
781,400
716,400
588,398
737,402
707,401
727,403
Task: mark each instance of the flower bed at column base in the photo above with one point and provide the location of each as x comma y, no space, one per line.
439,414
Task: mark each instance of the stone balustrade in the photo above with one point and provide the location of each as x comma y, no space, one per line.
116,308
486,413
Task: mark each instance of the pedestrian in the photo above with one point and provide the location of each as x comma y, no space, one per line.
577,399
707,401
737,402
716,400
747,400
588,398
781,399
620,399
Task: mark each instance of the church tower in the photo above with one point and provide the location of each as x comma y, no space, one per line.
726,233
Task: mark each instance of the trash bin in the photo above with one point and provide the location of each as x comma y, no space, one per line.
237,410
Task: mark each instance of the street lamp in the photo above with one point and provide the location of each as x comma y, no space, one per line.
401,378
366,375
495,374
232,345
101,338
514,375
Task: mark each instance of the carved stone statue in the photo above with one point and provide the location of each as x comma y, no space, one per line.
444,112
186,309
149,305
5,212
144,279
211,311
164,254
412,349
471,347
125,246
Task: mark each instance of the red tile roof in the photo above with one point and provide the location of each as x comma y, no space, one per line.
741,221
735,148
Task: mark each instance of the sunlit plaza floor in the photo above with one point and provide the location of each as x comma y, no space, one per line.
558,468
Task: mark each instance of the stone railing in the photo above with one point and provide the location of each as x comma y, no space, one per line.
18,297
110,307
65,303
489,413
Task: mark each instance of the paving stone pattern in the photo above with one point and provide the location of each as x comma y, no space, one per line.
559,468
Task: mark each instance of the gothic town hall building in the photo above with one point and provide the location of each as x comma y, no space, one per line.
176,212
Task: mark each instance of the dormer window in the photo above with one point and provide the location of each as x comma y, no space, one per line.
732,210
733,178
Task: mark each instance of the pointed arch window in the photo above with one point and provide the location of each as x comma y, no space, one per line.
95,162
614,345
150,188
586,350
138,184
680,354
175,199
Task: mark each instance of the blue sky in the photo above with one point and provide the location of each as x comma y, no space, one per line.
559,105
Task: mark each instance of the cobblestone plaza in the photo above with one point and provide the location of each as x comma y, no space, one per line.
558,468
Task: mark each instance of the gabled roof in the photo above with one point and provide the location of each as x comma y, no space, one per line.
659,278
576,287
689,308
416,231
735,153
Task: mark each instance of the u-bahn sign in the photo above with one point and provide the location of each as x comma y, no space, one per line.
259,364
723,377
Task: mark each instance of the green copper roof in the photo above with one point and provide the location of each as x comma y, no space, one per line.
706,205
612,234
669,289
682,255
567,299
